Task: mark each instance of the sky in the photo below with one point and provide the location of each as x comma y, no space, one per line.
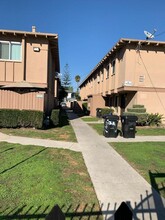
87,29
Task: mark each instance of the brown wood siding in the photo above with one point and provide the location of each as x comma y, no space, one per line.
15,100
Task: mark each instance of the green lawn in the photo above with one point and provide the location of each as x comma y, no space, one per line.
64,133
147,131
148,159
34,179
90,119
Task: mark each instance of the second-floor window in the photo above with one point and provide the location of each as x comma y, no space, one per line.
107,71
10,50
113,67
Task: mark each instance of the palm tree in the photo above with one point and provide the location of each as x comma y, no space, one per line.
77,79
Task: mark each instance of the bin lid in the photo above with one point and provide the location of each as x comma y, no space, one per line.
111,117
129,117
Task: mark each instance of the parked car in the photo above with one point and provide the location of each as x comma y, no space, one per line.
63,104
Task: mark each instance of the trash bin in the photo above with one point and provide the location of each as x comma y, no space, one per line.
98,112
129,125
110,125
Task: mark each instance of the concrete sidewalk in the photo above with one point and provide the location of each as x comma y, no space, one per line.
113,178
136,139
40,142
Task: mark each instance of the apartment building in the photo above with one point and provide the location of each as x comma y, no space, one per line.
132,72
29,63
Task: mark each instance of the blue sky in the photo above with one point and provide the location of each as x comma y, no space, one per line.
87,29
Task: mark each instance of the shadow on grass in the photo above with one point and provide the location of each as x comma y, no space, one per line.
10,168
158,186
11,148
150,206
40,212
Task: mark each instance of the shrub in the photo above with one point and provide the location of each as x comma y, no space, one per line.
9,118
85,108
106,111
154,119
63,118
137,110
13,118
31,118
138,106
55,117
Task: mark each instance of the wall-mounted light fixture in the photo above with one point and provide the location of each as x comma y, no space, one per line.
36,49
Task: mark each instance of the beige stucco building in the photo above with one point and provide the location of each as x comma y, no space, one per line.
132,72
29,62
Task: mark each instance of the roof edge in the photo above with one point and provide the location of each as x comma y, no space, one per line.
16,32
119,43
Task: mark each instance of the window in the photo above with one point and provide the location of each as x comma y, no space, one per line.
4,50
107,70
10,50
113,67
102,75
98,77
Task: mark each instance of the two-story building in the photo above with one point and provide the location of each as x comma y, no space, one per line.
29,62
132,72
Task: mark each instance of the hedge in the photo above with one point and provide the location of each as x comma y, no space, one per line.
14,118
137,110
85,108
106,111
55,117
138,106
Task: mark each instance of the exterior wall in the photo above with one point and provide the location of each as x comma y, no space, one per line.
96,101
100,83
15,100
35,67
36,62
138,76
153,101
11,71
145,68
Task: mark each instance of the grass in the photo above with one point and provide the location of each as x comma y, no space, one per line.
64,133
34,179
148,159
147,131
90,119
141,131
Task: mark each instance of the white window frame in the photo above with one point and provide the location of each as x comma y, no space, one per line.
10,43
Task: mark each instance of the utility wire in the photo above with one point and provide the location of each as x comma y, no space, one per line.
150,79
160,34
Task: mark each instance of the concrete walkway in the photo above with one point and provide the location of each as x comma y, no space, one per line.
113,178
40,142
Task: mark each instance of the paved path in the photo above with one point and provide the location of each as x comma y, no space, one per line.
113,178
40,142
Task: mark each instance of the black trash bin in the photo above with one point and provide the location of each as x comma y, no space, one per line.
98,112
129,125
110,125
